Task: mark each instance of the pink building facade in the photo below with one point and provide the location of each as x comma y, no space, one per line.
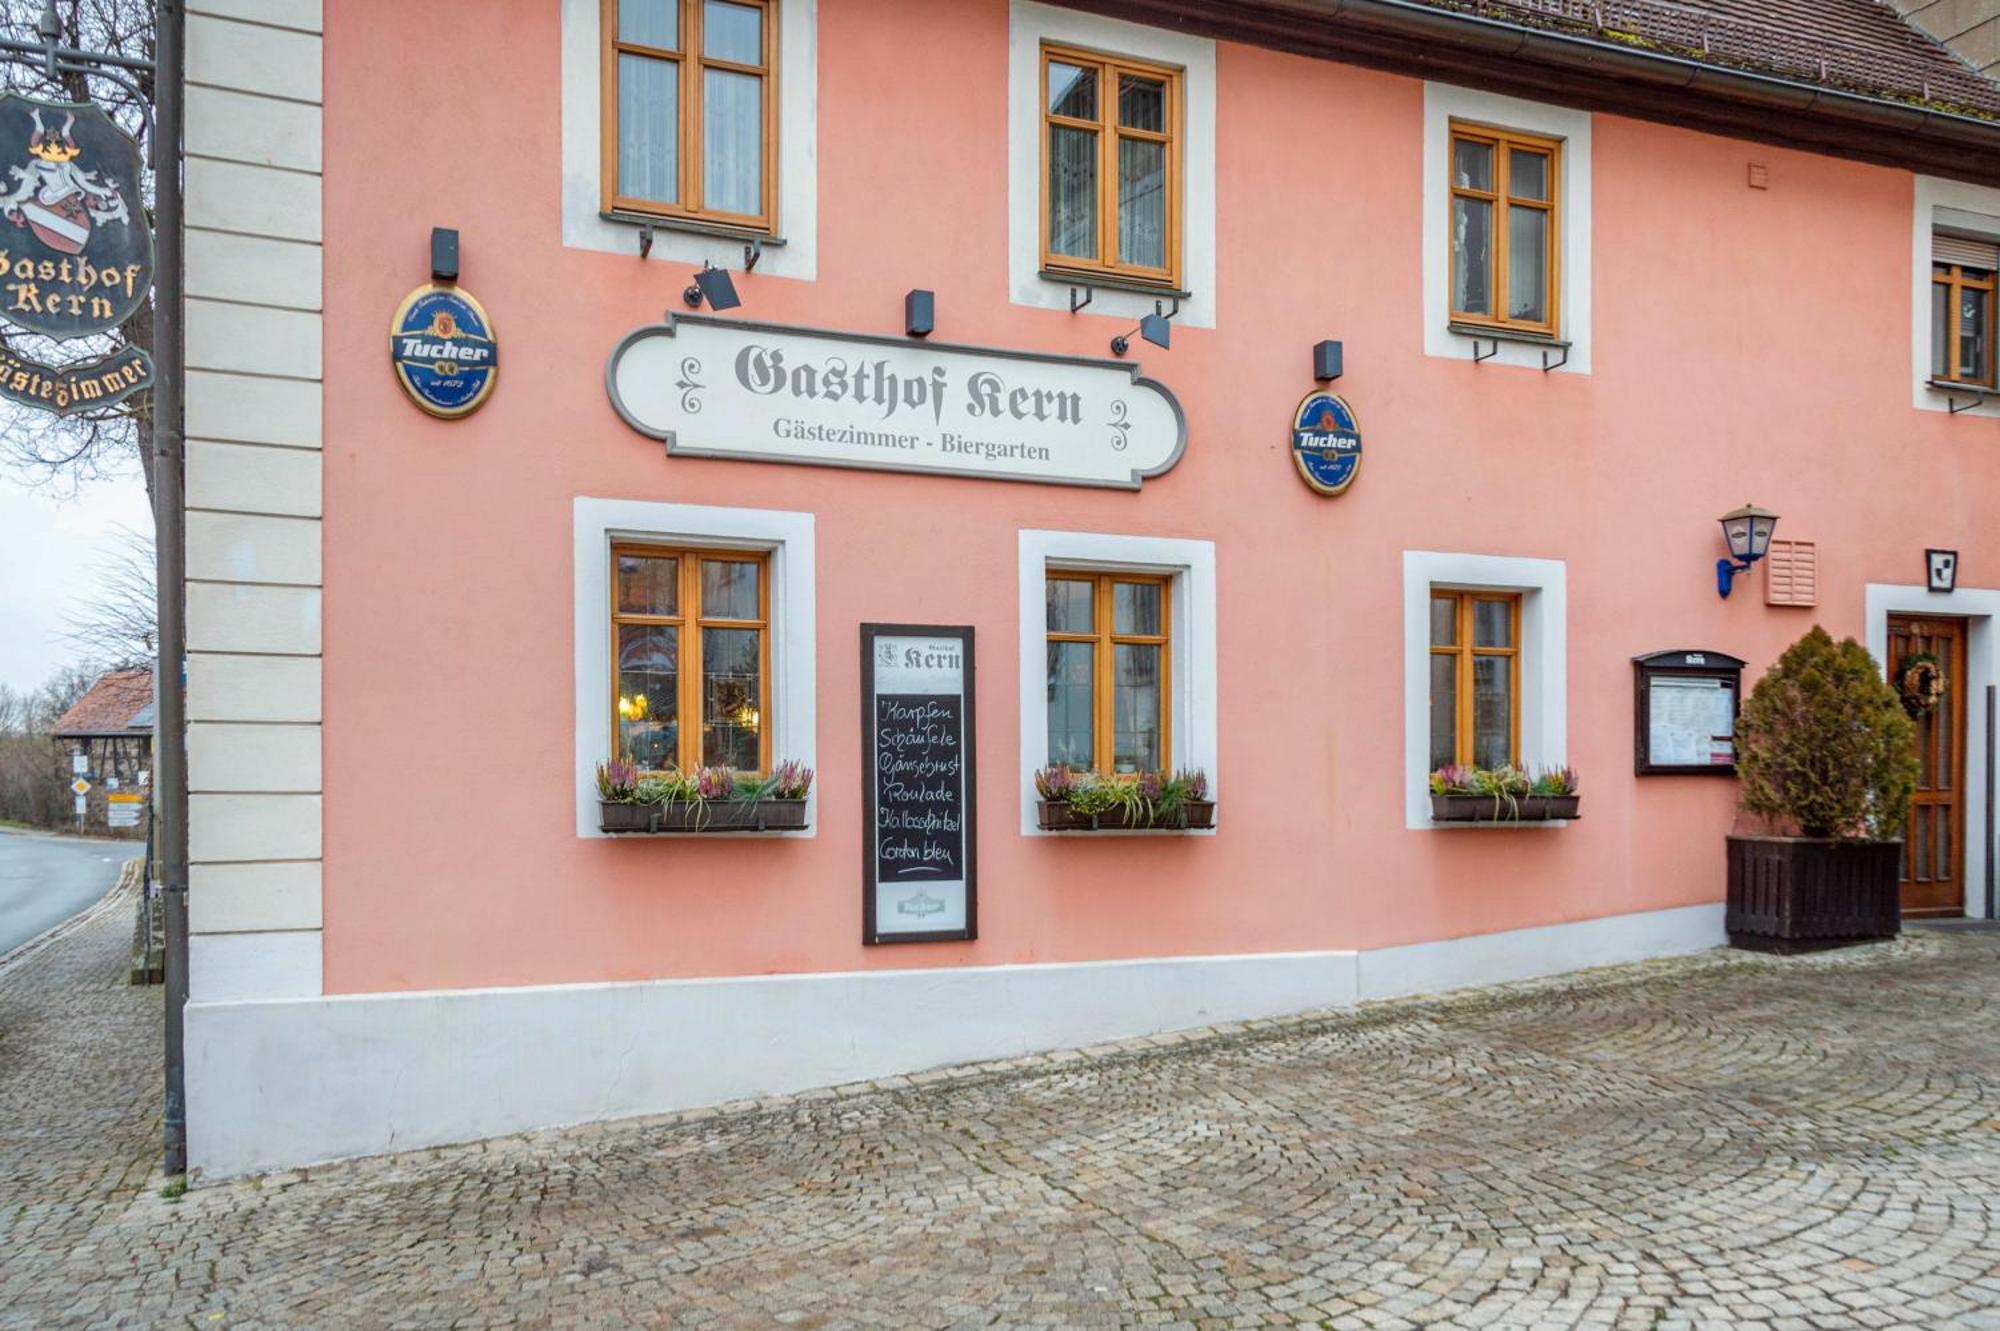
1572,337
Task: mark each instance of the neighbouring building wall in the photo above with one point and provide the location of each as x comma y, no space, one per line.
1969,27
253,496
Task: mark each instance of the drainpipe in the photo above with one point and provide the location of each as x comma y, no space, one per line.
169,527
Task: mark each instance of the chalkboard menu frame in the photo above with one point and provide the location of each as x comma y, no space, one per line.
1689,665
969,794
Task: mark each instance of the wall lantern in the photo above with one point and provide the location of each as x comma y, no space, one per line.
1326,361
1748,531
713,285
919,313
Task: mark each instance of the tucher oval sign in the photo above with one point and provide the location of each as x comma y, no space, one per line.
1326,443
724,388
444,350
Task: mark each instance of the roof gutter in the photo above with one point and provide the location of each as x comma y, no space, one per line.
1424,40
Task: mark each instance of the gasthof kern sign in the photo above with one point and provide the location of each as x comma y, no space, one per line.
723,388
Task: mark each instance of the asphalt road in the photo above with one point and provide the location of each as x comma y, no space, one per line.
46,879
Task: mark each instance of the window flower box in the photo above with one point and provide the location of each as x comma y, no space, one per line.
1054,816
1074,801
1502,795
713,799
767,815
1487,809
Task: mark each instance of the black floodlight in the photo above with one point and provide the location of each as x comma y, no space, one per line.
1326,361
444,254
1155,328
919,313
712,284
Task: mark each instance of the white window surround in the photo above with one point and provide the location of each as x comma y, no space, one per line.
583,223
1029,24
1955,205
1544,658
1980,607
789,539
1444,103
1192,651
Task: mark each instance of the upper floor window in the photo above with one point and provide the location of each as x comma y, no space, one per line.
1504,220
690,658
1962,310
1475,678
1108,645
690,109
1111,153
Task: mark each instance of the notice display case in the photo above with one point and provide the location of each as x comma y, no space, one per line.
1684,713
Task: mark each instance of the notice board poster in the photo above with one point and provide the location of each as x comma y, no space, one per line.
1691,721
918,873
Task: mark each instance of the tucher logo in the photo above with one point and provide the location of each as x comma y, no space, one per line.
444,350
1326,443
76,257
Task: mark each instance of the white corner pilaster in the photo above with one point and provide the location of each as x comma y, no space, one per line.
254,282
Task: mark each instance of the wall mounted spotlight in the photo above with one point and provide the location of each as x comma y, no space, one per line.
1153,327
444,254
919,313
1748,531
1326,361
713,285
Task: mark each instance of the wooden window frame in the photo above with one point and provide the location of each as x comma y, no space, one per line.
1104,740
1109,132
689,623
689,58
1957,279
1503,142
1464,746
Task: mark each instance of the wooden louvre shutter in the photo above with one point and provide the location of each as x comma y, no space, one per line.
1981,254
1791,573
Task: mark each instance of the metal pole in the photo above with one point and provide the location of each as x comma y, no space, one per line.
170,677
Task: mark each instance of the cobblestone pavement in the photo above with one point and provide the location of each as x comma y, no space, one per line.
1794,1143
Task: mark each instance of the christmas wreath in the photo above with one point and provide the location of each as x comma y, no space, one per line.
1920,683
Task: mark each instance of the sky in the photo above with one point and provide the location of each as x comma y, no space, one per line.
50,552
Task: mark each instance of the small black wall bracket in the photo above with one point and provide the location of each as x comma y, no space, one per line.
646,239
1493,344
1089,294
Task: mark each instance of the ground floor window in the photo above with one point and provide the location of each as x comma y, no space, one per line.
690,657
1109,661
1475,677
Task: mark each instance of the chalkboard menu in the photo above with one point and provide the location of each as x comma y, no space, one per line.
1685,713
917,863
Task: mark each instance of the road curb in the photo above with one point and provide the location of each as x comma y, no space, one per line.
120,894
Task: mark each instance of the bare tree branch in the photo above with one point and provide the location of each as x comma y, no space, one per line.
118,628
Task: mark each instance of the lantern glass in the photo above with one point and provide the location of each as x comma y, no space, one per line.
1748,531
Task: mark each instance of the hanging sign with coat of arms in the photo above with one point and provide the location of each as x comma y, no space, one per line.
76,254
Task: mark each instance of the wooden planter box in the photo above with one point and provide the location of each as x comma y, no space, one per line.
1052,817
719,816
1801,894
1486,809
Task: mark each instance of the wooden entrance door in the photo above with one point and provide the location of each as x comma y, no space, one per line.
1934,843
